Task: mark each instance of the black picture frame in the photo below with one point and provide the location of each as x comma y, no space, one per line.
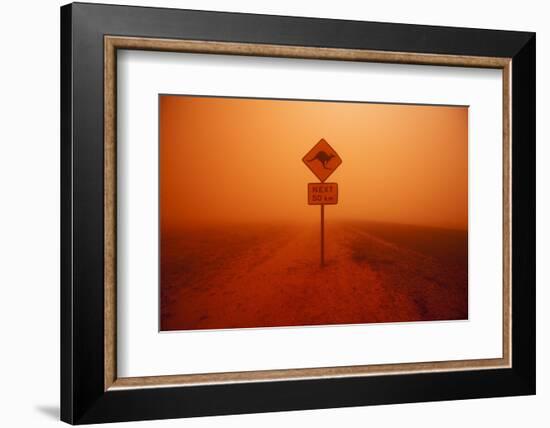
83,396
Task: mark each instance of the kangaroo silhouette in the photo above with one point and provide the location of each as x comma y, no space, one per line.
322,157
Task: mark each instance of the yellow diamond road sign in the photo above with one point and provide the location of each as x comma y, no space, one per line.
322,160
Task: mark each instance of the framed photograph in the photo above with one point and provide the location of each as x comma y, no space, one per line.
265,213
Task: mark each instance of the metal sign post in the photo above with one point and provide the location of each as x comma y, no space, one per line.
322,235
322,160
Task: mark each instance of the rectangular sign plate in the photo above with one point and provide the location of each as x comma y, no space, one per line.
322,193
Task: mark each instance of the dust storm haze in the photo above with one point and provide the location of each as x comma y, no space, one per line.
239,160
240,246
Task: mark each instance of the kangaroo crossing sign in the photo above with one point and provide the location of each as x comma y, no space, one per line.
322,160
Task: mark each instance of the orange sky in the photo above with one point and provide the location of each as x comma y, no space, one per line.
228,159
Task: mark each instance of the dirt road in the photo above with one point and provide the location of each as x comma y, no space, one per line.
264,276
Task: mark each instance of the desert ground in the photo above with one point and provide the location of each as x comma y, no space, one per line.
258,275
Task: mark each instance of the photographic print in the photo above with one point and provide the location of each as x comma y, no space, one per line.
282,213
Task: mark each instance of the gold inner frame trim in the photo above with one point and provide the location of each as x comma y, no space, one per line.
113,43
